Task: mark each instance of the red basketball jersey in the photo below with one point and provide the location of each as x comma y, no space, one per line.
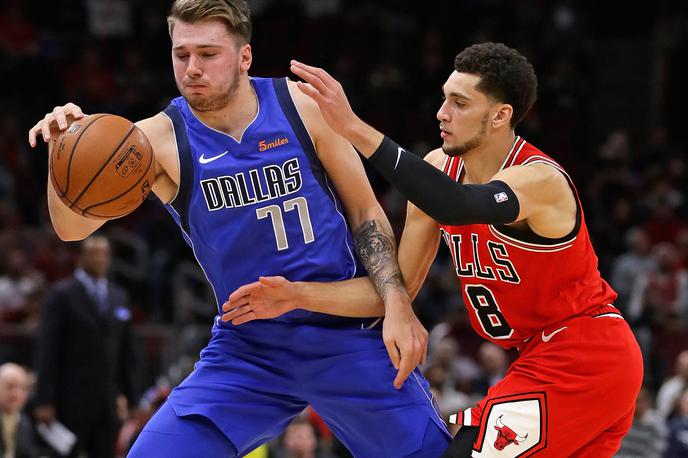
515,283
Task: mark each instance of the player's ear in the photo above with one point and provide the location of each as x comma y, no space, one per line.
246,57
502,115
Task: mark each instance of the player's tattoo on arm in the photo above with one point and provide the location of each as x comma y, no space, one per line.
376,249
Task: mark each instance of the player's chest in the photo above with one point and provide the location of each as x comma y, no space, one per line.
237,176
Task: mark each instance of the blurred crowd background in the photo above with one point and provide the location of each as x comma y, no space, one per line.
611,108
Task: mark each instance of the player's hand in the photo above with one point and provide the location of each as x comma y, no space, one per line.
328,94
405,338
269,297
44,414
54,123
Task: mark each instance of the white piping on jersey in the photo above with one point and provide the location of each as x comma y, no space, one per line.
245,128
534,247
511,151
545,160
429,398
446,160
609,315
179,165
193,249
329,188
169,204
513,159
467,417
519,243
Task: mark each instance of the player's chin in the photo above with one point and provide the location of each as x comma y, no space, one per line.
198,102
451,149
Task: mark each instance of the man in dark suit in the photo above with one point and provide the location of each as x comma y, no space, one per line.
86,358
17,439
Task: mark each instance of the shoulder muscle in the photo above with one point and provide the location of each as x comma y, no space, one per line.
436,157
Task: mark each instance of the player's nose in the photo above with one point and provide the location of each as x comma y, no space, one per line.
193,68
442,114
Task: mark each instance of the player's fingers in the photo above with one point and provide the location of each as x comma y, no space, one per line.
242,291
32,134
311,78
60,117
45,127
319,73
424,343
245,318
407,363
229,305
236,312
74,110
307,89
393,352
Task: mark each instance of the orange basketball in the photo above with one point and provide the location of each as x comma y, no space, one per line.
102,166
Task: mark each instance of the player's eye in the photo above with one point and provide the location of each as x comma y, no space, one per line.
209,54
181,56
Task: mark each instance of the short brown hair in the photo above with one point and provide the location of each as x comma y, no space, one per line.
234,13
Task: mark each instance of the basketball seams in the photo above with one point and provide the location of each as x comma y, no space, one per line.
51,171
71,153
105,163
145,173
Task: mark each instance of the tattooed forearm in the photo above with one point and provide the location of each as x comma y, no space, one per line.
377,251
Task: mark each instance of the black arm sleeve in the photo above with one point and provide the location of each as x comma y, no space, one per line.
439,196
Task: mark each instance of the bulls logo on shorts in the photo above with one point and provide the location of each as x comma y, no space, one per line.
512,426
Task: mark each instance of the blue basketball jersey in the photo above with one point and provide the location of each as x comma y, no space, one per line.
261,204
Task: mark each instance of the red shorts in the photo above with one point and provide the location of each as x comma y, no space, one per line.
571,392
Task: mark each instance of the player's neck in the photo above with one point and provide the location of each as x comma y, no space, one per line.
483,162
240,111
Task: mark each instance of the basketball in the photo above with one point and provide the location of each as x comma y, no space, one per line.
102,166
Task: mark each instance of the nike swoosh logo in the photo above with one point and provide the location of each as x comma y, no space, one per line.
548,337
205,160
370,326
399,151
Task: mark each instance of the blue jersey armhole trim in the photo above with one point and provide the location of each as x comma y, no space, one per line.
292,115
186,171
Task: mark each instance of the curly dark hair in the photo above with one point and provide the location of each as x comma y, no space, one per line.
505,75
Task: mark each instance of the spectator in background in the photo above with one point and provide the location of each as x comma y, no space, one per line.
17,439
665,225
672,388
647,437
300,441
678,430
631,266
494,362
448,399
659,299
86,355
18,286
460,371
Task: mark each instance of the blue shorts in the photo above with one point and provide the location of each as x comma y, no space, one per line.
253,379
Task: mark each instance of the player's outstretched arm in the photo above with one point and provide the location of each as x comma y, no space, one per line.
71,226
539,194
